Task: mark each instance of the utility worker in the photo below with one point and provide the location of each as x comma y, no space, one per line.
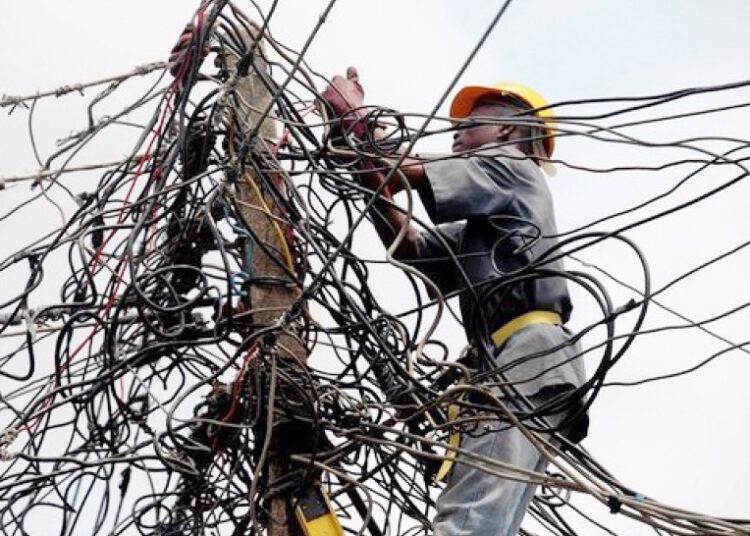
494,223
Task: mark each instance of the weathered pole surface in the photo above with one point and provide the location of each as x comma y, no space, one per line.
268,300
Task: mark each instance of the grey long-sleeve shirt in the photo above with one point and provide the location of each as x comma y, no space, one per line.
494,219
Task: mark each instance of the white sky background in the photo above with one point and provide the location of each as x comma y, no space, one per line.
681,441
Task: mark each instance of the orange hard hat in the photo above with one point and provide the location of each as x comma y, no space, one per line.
465,100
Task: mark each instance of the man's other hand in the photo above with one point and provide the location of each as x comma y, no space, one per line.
183,51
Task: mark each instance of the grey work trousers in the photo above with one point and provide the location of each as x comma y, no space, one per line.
477,503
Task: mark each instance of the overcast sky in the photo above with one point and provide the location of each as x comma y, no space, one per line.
681,441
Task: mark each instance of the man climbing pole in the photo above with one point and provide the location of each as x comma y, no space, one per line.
494,226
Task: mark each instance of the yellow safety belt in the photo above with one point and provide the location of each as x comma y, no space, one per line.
525,320
498,337
454,440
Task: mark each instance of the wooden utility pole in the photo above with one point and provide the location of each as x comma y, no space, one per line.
270,263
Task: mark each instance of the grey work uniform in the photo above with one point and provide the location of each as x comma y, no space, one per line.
494,219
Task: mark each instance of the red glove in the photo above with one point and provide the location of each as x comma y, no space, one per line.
182,53
346,97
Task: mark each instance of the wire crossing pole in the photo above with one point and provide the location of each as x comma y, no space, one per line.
268,259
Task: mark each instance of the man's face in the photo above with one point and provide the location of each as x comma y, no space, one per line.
481,134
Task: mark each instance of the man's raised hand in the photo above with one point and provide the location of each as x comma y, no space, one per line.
345,98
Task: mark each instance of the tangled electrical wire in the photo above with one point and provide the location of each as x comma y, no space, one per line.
216,348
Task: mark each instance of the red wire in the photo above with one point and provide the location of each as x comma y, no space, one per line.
95,261
170,94
236,387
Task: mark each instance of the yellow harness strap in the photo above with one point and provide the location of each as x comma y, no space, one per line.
525,320
454,441
499,337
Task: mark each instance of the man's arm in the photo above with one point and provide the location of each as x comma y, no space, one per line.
345,95
388,218
411,169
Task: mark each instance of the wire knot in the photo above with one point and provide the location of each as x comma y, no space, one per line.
8,436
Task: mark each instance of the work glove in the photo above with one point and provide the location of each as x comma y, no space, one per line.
183,52
345,98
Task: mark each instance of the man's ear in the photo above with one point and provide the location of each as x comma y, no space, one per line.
504,131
